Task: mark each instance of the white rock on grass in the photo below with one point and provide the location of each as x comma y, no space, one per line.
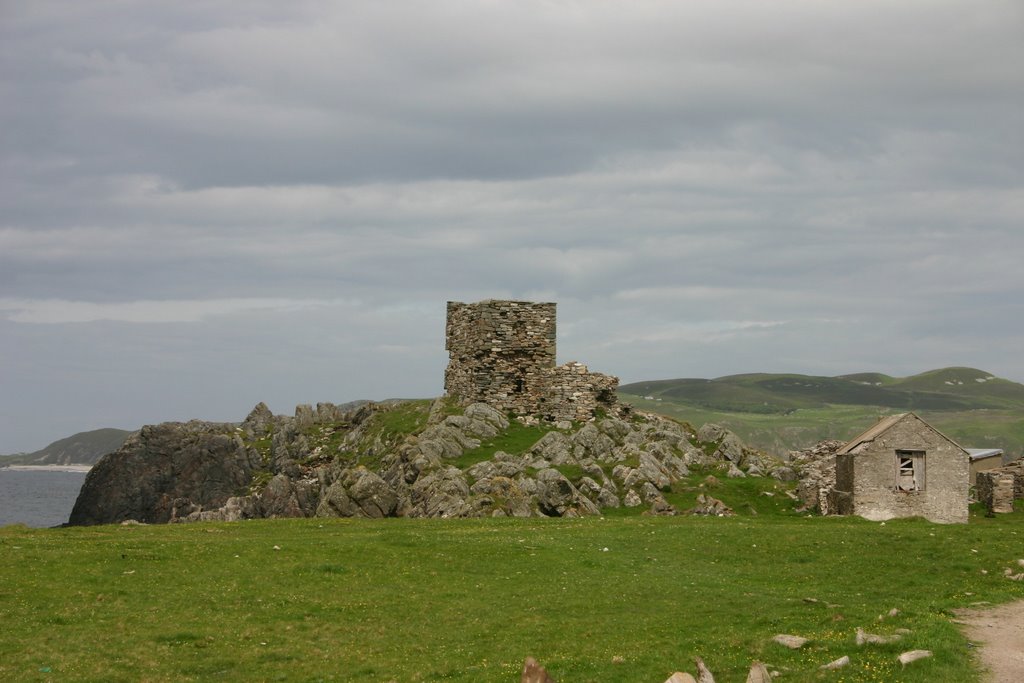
913,656
792,642
680,677
759,673
864,638
836,664
703,674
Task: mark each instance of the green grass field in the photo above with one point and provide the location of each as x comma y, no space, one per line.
467,600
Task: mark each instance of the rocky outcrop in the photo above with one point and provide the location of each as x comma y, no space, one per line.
816,469
346,461
163,471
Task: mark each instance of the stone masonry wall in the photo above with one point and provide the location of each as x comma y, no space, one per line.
503,353
500,353
868,476
575,393
998,488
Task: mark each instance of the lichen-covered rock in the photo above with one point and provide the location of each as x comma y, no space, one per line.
553,447
198,461
441,493
557,496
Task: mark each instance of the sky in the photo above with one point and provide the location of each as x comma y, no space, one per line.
204,205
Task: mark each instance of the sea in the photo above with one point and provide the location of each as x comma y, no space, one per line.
38,498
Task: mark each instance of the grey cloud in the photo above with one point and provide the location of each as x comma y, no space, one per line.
704,187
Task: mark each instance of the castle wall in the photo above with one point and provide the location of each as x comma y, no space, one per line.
503,353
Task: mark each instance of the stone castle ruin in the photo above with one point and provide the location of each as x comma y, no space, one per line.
503,353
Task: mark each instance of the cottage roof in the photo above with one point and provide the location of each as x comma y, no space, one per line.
982,453
873,433
883,426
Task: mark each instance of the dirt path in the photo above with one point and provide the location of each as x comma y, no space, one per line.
1000,633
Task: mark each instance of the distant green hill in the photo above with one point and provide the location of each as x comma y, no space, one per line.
781,412
84,448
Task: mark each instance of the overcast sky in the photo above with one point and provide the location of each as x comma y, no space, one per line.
204,205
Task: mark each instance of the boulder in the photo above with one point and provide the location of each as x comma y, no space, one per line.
200,461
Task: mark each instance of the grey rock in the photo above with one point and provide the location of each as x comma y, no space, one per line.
913,656
735,472
607,498
703,673
553,447
441,493
790,641
680,677
590,442
632,499
836,664
758,673
199,461
710,507
534,672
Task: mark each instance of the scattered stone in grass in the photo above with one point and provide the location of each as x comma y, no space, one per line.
892,613
864,638
533,672
758,673
913,656
711,507
703,674
790,641
836,664
1020,562
277,547
680,677
662,508
618,659
1008,573
812,601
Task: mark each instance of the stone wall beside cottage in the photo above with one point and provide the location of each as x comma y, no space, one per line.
998,488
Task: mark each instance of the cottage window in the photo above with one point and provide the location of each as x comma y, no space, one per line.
909,470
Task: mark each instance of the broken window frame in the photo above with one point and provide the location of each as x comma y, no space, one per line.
910,471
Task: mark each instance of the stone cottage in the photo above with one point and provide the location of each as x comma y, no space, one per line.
503,353
902,467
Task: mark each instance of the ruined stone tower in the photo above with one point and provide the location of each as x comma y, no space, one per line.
503,353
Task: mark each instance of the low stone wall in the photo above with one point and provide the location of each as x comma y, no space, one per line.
575,393
998,488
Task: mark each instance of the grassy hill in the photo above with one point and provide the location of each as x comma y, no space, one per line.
781,412
84,448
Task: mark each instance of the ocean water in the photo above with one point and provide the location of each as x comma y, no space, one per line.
38,498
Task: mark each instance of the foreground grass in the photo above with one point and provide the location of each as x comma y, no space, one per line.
466,600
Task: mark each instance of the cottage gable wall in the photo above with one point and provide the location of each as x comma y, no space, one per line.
866,476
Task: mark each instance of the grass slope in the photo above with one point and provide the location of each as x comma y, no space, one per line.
466,600
783,412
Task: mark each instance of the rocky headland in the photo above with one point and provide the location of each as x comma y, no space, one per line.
406,458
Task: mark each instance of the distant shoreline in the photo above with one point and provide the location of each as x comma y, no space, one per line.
47,468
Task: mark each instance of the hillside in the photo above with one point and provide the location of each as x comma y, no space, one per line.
84,448
781,412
